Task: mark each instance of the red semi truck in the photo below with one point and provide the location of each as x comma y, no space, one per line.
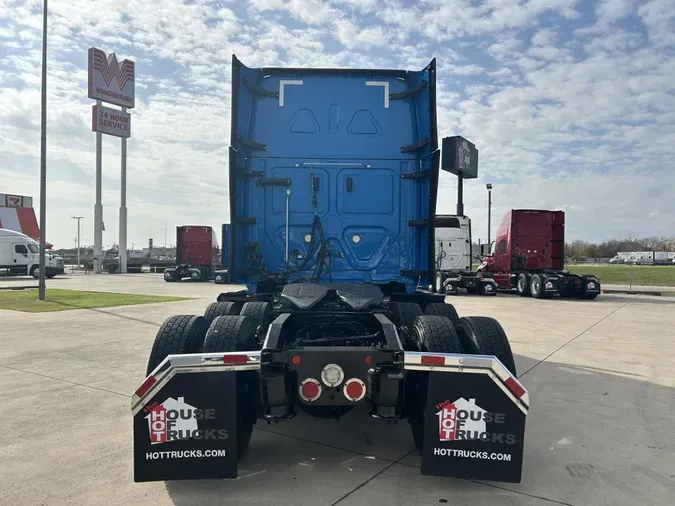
197,254
529,256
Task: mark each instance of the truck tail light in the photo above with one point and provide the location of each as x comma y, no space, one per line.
310,390
354,389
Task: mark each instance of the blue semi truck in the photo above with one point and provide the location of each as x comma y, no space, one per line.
333,179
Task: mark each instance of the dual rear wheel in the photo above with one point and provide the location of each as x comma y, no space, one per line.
225,327
440,330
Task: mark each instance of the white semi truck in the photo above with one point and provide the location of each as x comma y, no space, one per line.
20,256
454,261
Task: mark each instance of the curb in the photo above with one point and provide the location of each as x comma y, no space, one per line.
634,292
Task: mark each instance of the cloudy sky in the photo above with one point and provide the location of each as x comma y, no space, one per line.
571,103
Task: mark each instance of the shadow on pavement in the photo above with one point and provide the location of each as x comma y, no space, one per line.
594,436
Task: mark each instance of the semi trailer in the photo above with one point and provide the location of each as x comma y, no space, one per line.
197,254
333,175
529,257
454,260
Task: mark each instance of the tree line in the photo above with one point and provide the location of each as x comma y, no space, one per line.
609,249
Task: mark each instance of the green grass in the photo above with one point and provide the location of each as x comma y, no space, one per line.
663,275
62,300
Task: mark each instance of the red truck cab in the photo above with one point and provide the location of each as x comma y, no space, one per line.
529,255
197,254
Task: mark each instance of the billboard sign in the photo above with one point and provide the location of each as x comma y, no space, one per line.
7,200
110,121
460,157
111,81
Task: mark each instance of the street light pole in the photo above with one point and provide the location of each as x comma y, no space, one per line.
78,218
43,158
489,189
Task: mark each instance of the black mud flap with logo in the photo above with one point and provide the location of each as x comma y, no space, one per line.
187,430
474,429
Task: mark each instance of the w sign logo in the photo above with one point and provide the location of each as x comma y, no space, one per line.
110,69
110,80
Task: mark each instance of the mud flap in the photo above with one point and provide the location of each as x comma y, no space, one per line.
187,429
474,419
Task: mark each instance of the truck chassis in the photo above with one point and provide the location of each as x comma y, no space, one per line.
449,282
186,271
323,349
547,283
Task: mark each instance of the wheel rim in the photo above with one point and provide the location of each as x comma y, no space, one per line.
536,285
521,284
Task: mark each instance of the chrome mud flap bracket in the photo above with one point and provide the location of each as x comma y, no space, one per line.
185,417
474,418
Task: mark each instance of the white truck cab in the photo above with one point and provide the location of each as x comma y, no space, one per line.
453,255
20,256
453,243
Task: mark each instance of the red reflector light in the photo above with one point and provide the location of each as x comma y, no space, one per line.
517,390
295,359
235,359
310,389
431,360
368,360
147,384
354,389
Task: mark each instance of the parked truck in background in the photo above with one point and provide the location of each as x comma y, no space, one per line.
197,254
454,260
529,257
332,189
20,256
644,258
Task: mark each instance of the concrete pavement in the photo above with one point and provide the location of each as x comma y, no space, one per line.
599,430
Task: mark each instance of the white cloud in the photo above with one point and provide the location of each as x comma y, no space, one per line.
583,120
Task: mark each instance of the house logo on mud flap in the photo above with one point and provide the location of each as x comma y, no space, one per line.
176,420
464,420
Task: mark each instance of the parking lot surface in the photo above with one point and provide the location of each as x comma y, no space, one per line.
599,374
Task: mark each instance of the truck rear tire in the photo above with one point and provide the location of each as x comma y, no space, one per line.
230,333
536,286
441,309
482,335
435,334
404,313
523,285
178,335
261,312
216,309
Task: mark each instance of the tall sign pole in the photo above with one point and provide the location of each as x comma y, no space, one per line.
43,160
123,206
112,82
98,206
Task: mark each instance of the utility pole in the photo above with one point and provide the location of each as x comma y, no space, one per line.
489,189
78,218
43,159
